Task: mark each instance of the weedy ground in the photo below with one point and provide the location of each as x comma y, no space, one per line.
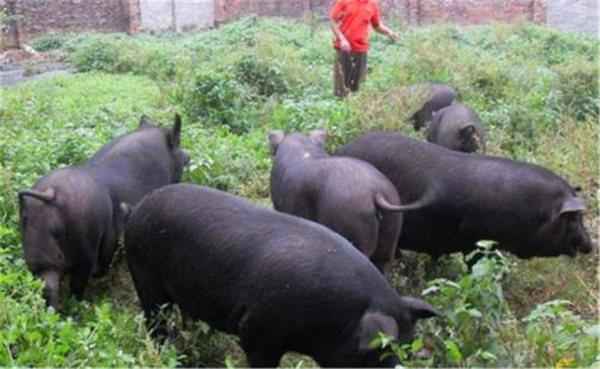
535,89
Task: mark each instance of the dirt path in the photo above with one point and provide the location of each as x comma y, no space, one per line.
19,66
15,74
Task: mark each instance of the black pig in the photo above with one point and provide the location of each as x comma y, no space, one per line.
346,195
71,219
527,209
279,282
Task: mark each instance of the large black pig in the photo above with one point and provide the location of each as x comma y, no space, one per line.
71,218
279,282
527,209
346,195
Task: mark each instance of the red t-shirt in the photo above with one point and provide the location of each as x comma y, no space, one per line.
355,18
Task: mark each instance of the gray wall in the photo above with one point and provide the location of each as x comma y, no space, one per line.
179,15
573,15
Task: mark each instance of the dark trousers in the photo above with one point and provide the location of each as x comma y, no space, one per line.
349,70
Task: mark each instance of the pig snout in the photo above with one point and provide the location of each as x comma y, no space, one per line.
52,289
586,245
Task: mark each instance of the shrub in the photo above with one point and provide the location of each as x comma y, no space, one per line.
230,162
477,327
474,309
116,53
266,78
576,88
97,54
215,98
560,338
50,41
100,335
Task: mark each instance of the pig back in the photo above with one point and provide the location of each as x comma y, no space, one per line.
133,165
476,196
222,258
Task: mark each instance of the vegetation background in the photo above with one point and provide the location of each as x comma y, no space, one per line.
535,89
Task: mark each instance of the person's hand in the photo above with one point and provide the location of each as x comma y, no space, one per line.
394,36
345,45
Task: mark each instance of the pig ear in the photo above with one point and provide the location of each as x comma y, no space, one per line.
175,133
145,122
318,136
46,196
373,323
275,138
418,308
572,205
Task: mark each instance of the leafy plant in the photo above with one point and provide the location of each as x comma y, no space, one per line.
561,338
266,78
217,99
49,41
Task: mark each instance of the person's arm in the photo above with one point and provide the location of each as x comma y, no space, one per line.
384,30
379,27
344,44
336,15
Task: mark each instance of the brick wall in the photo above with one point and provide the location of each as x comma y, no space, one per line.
227,10
409,11
476,11
35,17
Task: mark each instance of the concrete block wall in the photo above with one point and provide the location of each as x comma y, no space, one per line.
574,15
173,15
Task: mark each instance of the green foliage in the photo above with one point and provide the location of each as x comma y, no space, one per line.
473,308
34,335
477,327
576,88
229,162
266,78
118,53
216,99
560,337
49,41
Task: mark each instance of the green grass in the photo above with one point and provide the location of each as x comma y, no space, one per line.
535,89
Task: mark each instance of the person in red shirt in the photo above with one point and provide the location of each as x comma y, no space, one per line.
351,23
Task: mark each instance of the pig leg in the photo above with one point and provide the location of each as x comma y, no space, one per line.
260,355
361,229
387,242
79,279
152,299
107,246
156,309
261,345
263,359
